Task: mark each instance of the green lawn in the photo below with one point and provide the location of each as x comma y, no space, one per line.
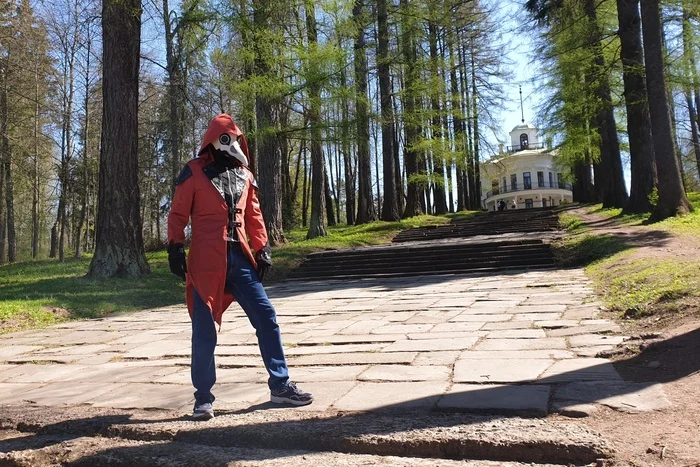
39,293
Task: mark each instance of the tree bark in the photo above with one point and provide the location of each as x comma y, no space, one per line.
390,205
643,168
365,204
672,199
614,193
317,222
440,200
119,250
172,68
691,71
268,148
410,154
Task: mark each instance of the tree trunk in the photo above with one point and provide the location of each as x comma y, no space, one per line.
410,153
317,223
691,71
390,205
119,251
6,215
36,186
86,134
330,214
672,199
269,157
172,64
365,204
436,124
643,169
475,190
614,193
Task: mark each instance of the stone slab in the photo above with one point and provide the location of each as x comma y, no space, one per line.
549,354
458,327
499,370
350,339
12,393
581,369
325,393
14,350
589,329
501,399
60,393
592,340
536,316
159,349
145,396
481,318
621,396
448,335
431,345
401,328
406,373
29,373
517,334
317,374
118,372
519,324
393,397
557,323
437,358
522,344
376,358
331,349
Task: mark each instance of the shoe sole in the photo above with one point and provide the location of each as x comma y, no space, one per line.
203,416
284,400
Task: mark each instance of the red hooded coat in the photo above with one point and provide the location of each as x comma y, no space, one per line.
197,198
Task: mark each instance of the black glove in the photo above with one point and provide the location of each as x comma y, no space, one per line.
264,259
177,259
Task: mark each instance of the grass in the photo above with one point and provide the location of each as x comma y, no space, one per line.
633,286
640,288
39,293
571,223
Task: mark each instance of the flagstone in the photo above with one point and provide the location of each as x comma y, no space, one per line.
7,351
401,328
581,369
520,324
394,397
327,373
522,344
536,316
494,370
332,349
463,326
554,354
572,331
145,396
57,394
622,396
437,358
28,373
447,335
502,399
517,334
406,373
431,345
592,340
488,318
370,358
350,339
363,327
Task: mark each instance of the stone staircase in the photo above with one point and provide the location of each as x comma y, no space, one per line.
484,243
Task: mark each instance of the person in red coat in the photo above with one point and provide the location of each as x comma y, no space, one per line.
218,193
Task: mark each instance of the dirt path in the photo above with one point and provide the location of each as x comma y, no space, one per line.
671,356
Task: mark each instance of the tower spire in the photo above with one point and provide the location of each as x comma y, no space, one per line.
522,111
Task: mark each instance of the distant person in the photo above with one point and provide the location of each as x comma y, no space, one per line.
514,206
219,194
501,205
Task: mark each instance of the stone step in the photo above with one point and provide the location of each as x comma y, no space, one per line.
429,436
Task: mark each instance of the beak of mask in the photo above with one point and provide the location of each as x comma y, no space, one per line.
228,145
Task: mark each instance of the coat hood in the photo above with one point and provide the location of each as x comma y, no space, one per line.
223,123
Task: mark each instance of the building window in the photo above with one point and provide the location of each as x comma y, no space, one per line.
560,179
551,180
494,187
505,185
513,182
528,203
540,179
524,141
544,203
527,182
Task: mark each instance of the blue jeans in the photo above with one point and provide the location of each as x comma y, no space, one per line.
243,282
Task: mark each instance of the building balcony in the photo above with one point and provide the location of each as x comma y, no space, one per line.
523,147
523,187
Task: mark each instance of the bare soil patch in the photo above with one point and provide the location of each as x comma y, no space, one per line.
665,348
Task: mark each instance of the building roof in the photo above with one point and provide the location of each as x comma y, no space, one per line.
524,126
518,154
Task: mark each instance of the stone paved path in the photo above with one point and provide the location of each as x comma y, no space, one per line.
521,343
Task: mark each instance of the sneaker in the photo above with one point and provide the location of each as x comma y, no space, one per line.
203,411
291,394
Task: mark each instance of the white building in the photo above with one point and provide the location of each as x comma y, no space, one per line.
524,175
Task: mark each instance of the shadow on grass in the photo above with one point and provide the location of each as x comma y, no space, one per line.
387,430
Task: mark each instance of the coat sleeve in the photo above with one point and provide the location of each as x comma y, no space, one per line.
254,222
182,205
